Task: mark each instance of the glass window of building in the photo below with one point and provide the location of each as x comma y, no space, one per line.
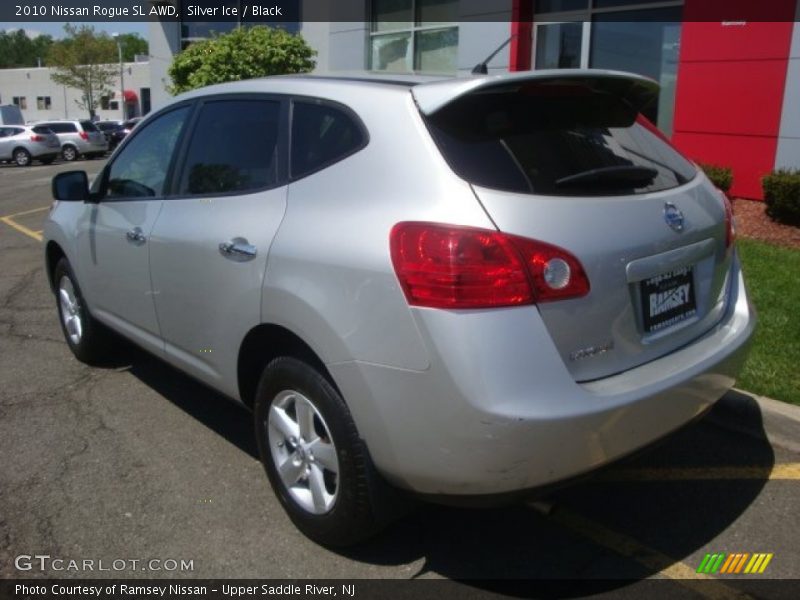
414,36
625,35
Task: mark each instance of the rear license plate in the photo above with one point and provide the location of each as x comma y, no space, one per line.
667,299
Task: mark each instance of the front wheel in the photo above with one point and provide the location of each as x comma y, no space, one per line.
315,460
87,339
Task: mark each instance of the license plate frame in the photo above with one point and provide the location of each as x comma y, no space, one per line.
667,299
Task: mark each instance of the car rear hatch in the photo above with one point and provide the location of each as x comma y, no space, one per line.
48,138
566,158
93,134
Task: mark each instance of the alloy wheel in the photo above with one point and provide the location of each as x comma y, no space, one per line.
70,311
303,452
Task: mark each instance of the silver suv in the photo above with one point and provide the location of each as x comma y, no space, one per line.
23,144
78,138
464,289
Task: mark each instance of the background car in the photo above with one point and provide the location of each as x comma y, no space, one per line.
78,138
24,144
111,129
466,289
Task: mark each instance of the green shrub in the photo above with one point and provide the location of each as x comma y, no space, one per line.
244,53
722,177
782,195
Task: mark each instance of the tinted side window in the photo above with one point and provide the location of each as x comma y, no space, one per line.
140,170
88,126
234,148
321,135
42,129
62,127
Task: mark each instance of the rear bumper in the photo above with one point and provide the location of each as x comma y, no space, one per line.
492,416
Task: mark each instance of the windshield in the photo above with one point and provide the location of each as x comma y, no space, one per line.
561,140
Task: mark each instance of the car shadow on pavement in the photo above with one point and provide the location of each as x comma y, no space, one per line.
217,412
613,528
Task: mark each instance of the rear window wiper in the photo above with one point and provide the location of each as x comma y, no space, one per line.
626,174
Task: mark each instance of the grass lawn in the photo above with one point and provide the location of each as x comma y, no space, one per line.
772,275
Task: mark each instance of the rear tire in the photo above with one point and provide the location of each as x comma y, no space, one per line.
69,153
88,340
316,462
22,157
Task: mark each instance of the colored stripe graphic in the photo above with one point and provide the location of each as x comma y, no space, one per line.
734,564
766,562
711,563
704,564
728,562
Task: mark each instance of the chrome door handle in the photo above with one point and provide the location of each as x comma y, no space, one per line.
136,236
238,249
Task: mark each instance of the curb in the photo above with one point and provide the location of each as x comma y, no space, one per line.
759,416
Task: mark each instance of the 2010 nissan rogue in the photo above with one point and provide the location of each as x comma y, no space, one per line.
462,288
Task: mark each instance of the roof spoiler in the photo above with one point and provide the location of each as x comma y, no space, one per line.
638,91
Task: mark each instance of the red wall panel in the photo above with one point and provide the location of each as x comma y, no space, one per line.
750,157
731,97
730,87
748,40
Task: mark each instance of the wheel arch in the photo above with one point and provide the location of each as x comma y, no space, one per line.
264,343
52,254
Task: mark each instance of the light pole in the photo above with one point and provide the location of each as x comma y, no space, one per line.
116,36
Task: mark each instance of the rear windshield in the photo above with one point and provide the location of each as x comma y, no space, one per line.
88,126
562,140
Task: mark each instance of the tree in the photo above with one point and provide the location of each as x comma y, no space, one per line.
132,44
86,61
17,50
244,53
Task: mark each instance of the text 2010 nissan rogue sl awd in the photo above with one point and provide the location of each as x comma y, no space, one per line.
463,288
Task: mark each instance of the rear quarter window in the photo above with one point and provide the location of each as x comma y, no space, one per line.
560,141
322,134
88,126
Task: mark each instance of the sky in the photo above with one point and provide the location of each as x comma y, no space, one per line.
57,29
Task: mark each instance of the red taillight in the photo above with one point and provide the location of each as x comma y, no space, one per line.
84,135
446,266
37,138
730,221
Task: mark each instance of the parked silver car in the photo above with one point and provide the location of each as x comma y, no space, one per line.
23,144
78,138
465,289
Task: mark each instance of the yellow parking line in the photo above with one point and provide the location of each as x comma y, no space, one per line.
21,228
779,472
27,212
653,560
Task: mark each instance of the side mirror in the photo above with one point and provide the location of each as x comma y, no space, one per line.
72,186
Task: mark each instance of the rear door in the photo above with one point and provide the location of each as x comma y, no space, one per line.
569,161
210,243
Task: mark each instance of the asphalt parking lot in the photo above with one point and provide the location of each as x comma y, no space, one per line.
138,462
